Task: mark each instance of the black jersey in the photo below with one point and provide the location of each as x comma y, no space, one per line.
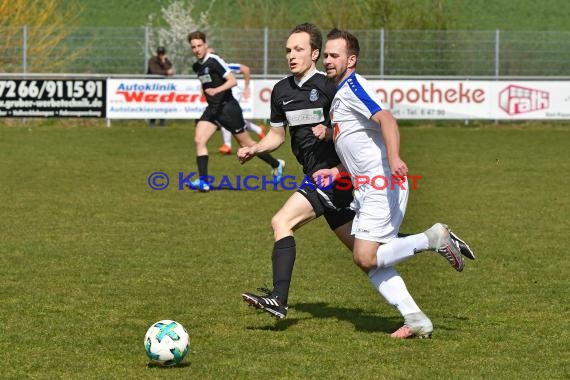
301,108
211,72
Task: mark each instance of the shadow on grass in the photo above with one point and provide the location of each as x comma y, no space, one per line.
278,325
367,321
184,364
360,319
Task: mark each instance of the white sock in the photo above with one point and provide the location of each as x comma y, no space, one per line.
227,137
400,249
391,286
252,127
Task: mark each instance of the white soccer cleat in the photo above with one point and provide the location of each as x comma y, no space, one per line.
417,325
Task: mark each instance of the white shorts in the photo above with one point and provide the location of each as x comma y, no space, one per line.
379,213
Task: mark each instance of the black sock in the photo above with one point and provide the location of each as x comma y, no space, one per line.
202,162
269,159
284,252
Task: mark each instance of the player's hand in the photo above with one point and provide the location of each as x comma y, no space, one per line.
211,91
321,132
245,154
398,167
324,177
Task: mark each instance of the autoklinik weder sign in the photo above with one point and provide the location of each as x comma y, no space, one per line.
159,99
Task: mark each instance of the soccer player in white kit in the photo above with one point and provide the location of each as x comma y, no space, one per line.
367,141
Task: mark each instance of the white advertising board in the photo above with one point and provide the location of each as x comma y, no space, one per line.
455,99
407,99
160,99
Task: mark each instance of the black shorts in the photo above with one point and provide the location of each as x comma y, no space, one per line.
228,115
331,202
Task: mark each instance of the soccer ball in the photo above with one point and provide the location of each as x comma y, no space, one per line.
166,342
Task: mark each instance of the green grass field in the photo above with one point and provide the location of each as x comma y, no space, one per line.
90,256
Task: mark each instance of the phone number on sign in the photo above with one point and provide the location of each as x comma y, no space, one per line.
46,89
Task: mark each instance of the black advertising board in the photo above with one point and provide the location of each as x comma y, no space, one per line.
52,98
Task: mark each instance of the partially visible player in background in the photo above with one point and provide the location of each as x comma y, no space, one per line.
239,94
223,109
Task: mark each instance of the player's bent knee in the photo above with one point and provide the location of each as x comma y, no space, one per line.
277,222
199,142
281,226
364,262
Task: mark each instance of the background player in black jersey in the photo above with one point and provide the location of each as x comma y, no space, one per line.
223,109
302,102
239,94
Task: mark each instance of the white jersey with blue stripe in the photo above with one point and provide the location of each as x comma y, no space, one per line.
358,139
235,68
236,90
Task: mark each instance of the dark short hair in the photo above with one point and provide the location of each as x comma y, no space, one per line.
197,35
315,35
160,50
352,45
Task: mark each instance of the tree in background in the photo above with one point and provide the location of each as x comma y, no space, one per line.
179,21
45,25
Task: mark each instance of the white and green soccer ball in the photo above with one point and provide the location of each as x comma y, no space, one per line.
166,342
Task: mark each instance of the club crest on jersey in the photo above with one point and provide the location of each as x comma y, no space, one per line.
314,95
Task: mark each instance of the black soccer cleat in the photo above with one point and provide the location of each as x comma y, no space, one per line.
439,240
463,246
269,303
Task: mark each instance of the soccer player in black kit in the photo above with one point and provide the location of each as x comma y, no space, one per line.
223,109
302,102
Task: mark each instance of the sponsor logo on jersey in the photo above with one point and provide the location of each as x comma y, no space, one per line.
306,116
205,78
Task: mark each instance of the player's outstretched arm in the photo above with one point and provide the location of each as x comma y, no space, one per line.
273,140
